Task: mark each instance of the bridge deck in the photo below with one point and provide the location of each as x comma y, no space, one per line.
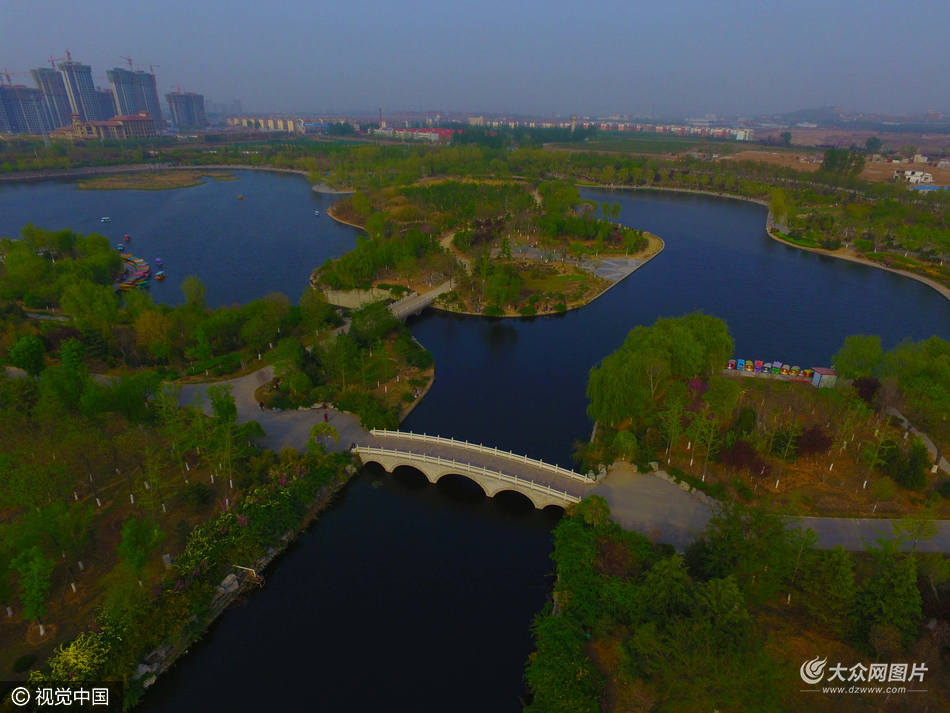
499,463
410,305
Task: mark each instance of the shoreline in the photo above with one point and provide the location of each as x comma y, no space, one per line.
59,173
573,308
943,290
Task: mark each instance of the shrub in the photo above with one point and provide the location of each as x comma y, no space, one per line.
867,388
528,311
908,468
197,495
23,663
814,441
560,307
408,397
494,311
743,490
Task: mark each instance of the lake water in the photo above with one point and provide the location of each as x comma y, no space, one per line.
242,249
406,596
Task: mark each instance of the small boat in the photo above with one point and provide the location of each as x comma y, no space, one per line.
158,261
105,219
120,247
126,238
316,212
160,275
240,198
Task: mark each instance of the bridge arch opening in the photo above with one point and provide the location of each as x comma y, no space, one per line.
554,511
410,477
461,487
514,501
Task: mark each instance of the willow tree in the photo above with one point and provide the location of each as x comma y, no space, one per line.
630,381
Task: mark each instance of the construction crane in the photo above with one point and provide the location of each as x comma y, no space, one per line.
151,66
54,60
127,59
7,73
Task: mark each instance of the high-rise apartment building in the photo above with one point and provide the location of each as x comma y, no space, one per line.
136,92
106,103
81,90
126,93
22,110
55,98
188,109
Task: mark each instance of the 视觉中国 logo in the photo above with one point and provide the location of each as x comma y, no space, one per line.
813,671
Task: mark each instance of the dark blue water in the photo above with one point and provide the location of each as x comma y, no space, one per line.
403,597
519,384
407,596
241,249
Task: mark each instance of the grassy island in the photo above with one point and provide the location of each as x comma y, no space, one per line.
152,180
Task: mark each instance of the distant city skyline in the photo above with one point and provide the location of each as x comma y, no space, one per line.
682,57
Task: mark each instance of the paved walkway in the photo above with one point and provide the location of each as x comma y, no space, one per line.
931,448
283,428
667,513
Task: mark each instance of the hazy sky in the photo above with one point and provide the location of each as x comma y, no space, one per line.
621,56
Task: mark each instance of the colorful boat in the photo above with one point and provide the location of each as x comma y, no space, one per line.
240,198
160,275
120,247
105,219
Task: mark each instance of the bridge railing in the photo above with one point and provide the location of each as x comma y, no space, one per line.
469,468
509,455
411,296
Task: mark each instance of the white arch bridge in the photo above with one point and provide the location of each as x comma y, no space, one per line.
494,470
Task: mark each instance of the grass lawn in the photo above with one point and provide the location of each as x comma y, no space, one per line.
152,181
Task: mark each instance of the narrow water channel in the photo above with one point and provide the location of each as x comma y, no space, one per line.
407,596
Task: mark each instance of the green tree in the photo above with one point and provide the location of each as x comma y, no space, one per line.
890,596
72,354
786,137
194,291
92,306
671,419
626,443
829,589
139,538
859,356
29,354
873,145
314,308
916,528
321,435
35,572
